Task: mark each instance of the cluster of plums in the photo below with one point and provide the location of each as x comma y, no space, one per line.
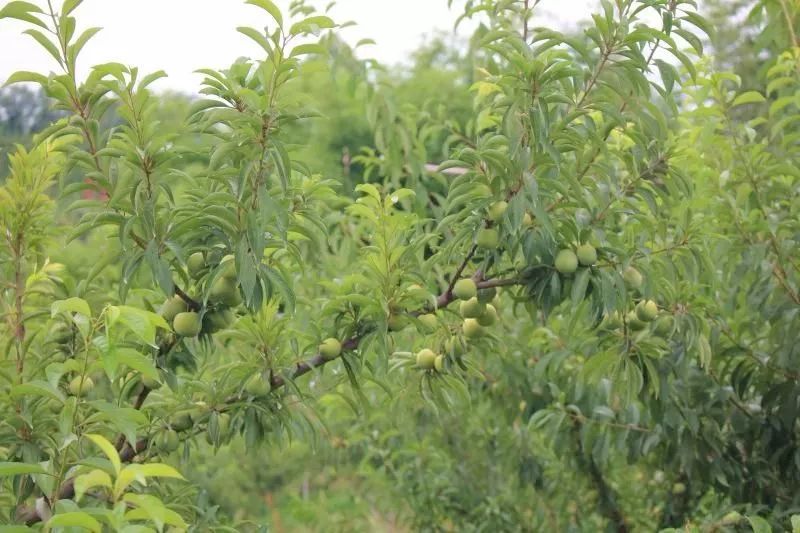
567,259
223,295
645,312
168,438
478,309
567,262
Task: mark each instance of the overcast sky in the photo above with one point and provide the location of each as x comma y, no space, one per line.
179,36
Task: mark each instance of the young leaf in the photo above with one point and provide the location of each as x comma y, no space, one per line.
14,469
270,8
22,11
95,478
71,305
749,97
107,449
74,519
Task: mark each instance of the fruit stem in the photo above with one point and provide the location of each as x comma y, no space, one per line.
460,269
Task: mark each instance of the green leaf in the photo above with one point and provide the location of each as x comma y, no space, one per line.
158,470
16,7
37,388
136,472
270,8
758,524
125,420
46,43
95,478
580,284
22,11
108,449
257,37
142,323
79,43
311,48
704,352
138,362
749,97
71,305
14,469
69,6
74,519
311,24
26,76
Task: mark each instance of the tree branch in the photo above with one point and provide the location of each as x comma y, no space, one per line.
608,504
30,515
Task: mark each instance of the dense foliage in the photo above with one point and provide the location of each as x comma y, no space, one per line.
544,282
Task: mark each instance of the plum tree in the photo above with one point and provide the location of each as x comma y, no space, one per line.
189,254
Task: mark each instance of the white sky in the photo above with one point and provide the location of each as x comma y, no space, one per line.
179,36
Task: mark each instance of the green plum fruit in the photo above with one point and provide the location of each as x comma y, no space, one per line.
587,254
633,278
187,324
464,289
647,310
330,348
168,441
497,210
566,262
81,386
172,307
196,264
257,385
472,308
225,291
472,329
487,239
489,316
634,323
426,358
